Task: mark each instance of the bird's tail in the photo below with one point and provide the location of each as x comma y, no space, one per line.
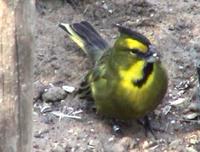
87,38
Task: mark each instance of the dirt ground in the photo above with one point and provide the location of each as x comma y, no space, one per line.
174,26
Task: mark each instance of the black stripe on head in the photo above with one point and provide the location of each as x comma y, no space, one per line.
134,35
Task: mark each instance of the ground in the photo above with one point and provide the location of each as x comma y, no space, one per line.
174,27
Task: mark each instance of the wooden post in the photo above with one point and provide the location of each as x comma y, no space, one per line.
16,43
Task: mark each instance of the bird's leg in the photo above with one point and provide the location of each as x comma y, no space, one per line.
147,126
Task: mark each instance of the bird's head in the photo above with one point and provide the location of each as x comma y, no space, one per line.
133,46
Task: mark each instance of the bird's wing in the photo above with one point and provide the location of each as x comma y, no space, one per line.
84,91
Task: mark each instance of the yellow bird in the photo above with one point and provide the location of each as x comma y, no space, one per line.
128,80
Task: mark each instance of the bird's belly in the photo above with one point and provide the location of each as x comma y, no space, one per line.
123,100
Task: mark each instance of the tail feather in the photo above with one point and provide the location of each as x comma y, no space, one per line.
89,34
90,27
84,35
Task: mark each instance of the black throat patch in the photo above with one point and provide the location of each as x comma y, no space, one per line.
147,70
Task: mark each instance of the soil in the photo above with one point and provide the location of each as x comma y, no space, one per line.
173,26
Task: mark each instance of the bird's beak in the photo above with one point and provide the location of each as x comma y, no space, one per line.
154,54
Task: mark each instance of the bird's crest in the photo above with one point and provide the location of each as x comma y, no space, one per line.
135,35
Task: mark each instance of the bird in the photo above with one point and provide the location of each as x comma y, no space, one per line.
127,80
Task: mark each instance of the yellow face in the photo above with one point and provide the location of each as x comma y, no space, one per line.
129,50
131,44
131,55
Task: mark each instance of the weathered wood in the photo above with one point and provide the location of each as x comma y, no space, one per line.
16,43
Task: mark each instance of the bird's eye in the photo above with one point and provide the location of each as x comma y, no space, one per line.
134,51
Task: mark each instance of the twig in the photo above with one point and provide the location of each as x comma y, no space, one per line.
62,115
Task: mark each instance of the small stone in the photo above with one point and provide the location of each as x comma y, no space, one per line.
40,134
105,6
152,15
145,144
110,11
138,20
125,144
166,109
36,146
174,144
111,139
178,101
68,89
91,144
171,28
54,94
37,135
191,149
191,116
181,67
172,121
195,107
193,141
149,144
94,144
70,131
58,148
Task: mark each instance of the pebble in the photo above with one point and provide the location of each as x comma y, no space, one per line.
191,149
194,107
180,67
54,94
94,144
174,144
191,116
149,144
40,134
68,89
36,146
58,148
70,131
171,28
166,109
145,144
125,144
179,101
111,139
172,121
194,141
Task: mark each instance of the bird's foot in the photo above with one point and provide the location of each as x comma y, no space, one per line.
116,127
147,126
